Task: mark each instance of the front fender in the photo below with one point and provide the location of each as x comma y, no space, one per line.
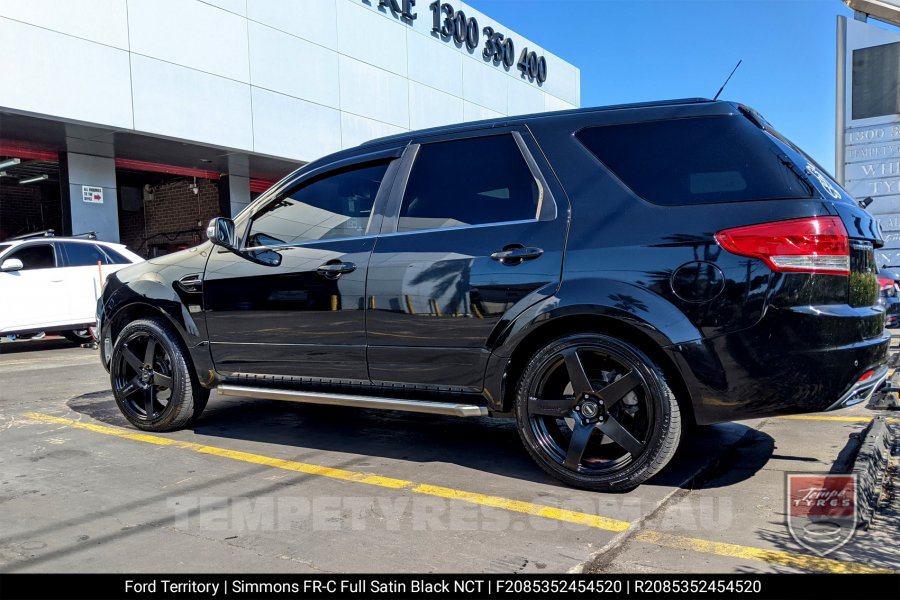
147,288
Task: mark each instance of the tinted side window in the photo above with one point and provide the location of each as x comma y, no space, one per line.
35,257
334,206
695,161
84,255
469,182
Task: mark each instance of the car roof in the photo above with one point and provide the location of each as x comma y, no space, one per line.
54,238
508,120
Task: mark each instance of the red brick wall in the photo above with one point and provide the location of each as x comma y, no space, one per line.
27,208
174,217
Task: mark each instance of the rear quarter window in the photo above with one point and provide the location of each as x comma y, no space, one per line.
700,160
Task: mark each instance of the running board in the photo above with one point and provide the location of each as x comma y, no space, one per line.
373,402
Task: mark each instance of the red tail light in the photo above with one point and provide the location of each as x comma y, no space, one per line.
809,245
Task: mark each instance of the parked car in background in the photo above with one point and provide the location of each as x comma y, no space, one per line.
889,298
51,284
603,275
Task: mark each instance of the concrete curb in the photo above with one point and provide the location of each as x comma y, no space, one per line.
866,455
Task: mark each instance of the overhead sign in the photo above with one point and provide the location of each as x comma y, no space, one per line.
92,194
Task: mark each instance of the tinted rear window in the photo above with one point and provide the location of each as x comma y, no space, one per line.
696,161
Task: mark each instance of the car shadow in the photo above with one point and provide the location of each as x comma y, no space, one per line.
47,343
480,444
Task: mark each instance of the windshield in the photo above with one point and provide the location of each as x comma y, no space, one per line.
4,248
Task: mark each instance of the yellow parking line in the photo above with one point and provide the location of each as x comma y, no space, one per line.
790,559
839,419
778,557
530,508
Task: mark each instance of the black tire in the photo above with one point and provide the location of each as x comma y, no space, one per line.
152,378
78,336
572,426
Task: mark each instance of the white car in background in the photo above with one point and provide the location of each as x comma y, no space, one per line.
51,284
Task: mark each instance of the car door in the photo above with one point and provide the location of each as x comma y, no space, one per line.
475,233
32,297
303,317
83,267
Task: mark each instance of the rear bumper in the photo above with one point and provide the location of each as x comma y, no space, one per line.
787,363
863,389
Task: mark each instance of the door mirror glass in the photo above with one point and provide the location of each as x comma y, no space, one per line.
12,264
221,233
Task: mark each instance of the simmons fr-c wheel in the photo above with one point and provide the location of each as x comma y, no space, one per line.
596,412
152,378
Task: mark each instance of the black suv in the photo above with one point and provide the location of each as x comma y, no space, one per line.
607,276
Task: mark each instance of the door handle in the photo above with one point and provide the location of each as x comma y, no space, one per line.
335,269
515,254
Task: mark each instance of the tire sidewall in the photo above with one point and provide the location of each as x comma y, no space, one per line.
181,376
639,469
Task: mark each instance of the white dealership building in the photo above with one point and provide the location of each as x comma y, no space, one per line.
139,119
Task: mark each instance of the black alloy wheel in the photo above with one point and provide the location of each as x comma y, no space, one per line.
152,380
596,412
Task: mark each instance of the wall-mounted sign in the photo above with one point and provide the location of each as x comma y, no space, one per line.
868,136
91,194
450,24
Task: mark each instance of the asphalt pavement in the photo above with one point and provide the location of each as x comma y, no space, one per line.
268,486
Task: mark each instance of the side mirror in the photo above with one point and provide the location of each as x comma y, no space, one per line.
220,232
12,264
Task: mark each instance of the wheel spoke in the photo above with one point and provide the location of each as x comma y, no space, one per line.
149,393
163,380
580,382
132,359
580,436
620,435
151,349
557,407
617,390
130,387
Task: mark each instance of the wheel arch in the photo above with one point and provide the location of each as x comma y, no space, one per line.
197,353
547,330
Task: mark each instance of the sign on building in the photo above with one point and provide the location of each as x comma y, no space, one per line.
91,194
868,120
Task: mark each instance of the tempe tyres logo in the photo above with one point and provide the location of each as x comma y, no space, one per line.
821,510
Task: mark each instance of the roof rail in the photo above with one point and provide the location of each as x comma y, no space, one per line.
88,235
35,234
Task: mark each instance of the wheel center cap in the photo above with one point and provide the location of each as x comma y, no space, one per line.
590,409
146,373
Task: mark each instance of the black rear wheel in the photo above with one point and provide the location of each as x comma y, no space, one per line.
152,380
596,412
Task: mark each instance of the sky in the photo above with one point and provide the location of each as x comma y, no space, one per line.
639,50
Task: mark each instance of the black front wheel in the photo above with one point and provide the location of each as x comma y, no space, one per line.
152,378
596,412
